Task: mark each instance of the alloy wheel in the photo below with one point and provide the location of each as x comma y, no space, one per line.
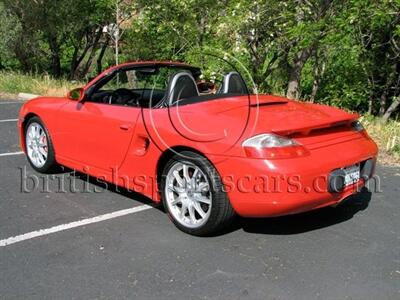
36,144
188,194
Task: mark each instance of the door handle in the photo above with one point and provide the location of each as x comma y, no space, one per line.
124,127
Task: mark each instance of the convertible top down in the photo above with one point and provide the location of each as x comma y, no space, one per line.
207,150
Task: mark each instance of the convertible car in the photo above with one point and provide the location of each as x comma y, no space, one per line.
206,155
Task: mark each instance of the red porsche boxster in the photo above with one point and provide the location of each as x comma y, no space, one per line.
207,155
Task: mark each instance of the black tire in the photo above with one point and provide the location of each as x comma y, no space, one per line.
222,213
50,165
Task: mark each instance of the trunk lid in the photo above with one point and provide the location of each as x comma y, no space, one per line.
312,125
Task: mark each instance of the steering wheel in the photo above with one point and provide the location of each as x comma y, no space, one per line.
123,96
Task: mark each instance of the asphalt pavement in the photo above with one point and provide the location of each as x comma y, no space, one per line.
349,252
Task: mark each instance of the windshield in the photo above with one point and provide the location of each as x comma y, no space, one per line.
140,86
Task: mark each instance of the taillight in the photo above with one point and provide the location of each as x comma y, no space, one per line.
357,126
272,146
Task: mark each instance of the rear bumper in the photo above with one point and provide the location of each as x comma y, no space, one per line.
266,188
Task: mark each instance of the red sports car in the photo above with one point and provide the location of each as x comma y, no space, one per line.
207,156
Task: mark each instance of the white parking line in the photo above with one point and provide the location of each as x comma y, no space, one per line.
42,232
11,153
9,120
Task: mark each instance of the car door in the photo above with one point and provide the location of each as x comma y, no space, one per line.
96,134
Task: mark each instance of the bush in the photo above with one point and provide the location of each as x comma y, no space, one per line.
387,135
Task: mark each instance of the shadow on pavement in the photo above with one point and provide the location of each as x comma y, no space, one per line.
287,225
113,188
313,220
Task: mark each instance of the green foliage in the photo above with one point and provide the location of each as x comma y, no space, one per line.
9,27
343,53
14,83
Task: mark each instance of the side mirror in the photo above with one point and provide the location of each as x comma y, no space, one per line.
76,95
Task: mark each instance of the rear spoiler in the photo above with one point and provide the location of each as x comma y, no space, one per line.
265,100
267,103
306,129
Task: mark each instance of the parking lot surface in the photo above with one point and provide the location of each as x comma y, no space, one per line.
351,252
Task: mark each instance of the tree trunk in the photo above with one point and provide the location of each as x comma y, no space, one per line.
293,85
101,55
370,104
89,61
75,64
319,70
395,104
74,70
74,59
55,56
382,103
293,89
314,90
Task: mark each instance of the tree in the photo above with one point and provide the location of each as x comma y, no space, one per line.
376,28
345,53
50,28
9,29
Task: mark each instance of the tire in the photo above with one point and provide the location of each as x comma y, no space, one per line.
196,203
40,142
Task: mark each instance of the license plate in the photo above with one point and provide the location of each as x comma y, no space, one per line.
352,174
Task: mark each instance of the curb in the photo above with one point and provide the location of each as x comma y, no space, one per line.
26,96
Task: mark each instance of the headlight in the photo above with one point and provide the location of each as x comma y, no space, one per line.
272,146
357,126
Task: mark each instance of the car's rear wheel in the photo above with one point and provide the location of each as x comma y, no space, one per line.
193,196
39,148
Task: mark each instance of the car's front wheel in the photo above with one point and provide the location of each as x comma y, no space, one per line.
39,148
193,195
